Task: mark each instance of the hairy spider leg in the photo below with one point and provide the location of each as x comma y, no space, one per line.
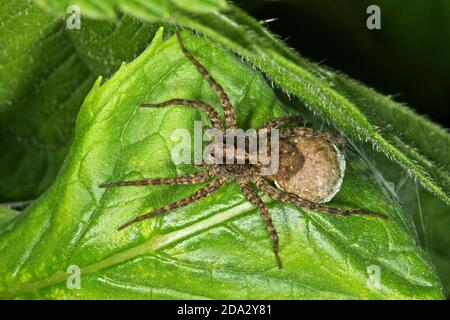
278,122
190,178
230,116
199,194
254,199
293,199
209,110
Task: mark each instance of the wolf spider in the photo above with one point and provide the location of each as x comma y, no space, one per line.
311,166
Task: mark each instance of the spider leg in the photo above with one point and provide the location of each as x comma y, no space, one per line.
209,110
199,194
276,123
311,133
253,198
228,109
184,179
293,199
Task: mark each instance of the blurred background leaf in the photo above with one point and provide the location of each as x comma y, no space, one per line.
45,73
7,214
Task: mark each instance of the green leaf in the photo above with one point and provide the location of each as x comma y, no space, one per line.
430,215
215,248
433,228
423,142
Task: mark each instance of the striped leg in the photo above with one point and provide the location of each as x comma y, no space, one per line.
290,198
210,112
185,179
276,123
257,202
199,194
311,133
228,109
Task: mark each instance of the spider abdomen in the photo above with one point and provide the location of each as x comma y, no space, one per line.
310,168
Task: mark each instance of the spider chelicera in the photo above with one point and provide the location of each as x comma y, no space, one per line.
311,166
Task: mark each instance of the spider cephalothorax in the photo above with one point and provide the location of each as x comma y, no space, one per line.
310,171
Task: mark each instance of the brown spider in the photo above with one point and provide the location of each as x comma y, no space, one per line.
311,167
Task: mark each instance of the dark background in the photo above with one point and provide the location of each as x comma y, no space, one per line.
409,58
